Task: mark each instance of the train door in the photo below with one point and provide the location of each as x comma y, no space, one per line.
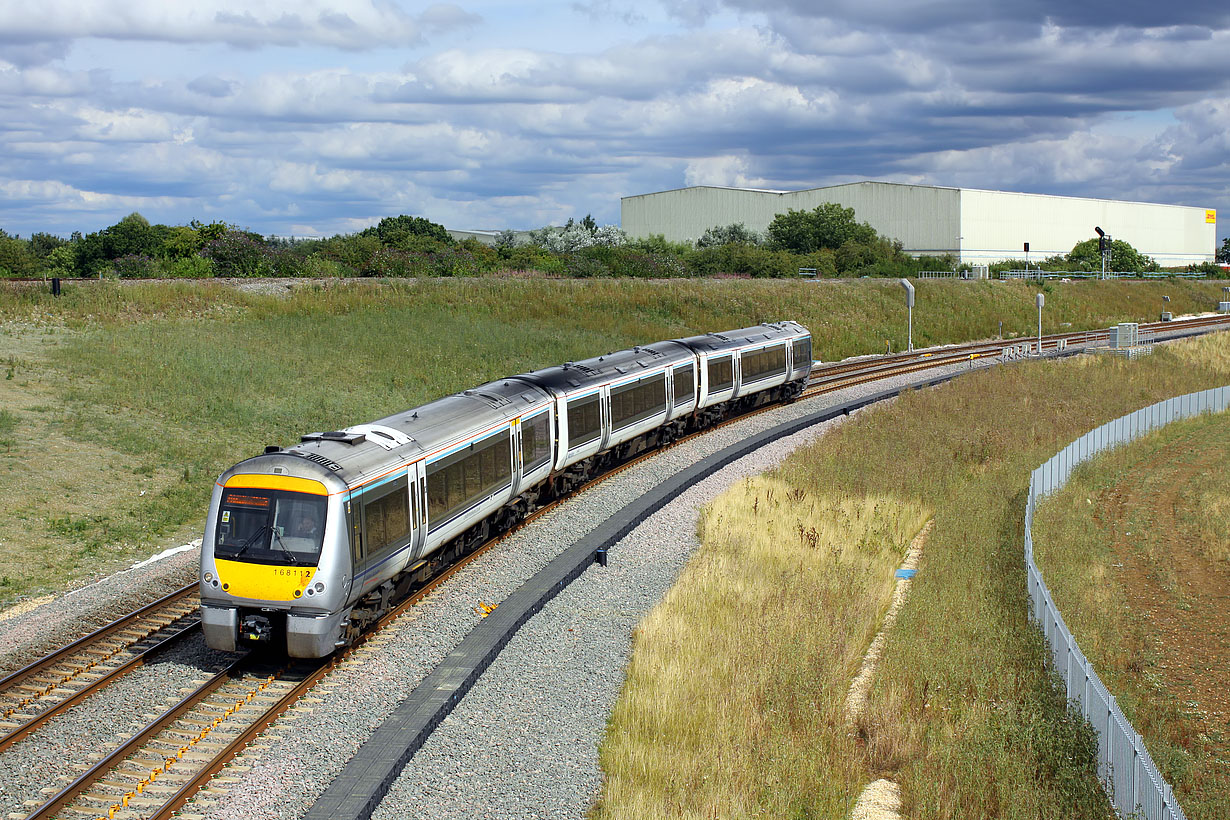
518,459
604,404
358,553
416,478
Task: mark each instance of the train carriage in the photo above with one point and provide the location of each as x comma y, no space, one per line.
387,495
749,362
610,403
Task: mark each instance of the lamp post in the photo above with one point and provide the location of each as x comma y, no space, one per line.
909,303
1041,300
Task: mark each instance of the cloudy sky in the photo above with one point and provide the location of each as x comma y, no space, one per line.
314,117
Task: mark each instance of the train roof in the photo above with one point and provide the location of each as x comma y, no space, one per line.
744,337
361,452
578,376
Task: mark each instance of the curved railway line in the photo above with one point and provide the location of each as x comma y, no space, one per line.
156,771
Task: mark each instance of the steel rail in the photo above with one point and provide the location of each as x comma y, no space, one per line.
106,680
8,681
102,767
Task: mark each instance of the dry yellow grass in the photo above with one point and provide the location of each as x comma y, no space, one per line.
741,703
733,703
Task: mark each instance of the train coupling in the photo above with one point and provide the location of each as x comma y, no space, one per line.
255,628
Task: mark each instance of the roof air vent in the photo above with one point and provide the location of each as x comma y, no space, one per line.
386,437
341,436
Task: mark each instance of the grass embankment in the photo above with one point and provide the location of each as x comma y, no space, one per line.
746,720
1137,556
125,400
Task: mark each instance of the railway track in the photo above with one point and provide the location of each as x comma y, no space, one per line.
51,685
155,772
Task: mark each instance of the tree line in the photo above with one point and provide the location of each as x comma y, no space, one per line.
828,240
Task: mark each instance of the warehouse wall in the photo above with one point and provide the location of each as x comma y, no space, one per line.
995,224
979,226
926,219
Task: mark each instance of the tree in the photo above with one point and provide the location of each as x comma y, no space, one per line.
827,226
132,235
15,257
183,241
507,240
405,232
42,244
735,233
1223,253
1085,256
61,262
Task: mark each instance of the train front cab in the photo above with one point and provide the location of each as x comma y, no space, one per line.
268,575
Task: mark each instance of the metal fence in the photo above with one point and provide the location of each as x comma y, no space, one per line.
1124,765
1035,273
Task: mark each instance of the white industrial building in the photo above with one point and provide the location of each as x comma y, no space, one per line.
976,226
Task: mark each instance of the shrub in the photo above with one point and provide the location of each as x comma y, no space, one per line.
630,262
136,266
238,254
748,260
583,267
320,267
188,267
658,243
735,233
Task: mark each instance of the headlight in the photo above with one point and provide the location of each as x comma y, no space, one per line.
320,587
209,576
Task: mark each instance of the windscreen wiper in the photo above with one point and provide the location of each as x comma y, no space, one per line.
277,536
250,540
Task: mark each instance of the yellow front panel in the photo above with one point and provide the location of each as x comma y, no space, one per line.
262,581
277,482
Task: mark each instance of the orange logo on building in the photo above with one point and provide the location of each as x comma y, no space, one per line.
1210,215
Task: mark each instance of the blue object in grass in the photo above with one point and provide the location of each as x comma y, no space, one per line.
906,573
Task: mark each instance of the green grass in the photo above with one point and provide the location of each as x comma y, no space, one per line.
961,713
8,426
184,379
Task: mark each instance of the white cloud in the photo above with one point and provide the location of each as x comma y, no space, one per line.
724,171
355,115
355,24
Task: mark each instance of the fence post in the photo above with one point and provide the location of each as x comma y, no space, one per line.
1136,741
1110,721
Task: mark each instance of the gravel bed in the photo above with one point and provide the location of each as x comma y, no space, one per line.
308,751
524,741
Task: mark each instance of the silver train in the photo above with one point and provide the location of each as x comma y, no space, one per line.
306,546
